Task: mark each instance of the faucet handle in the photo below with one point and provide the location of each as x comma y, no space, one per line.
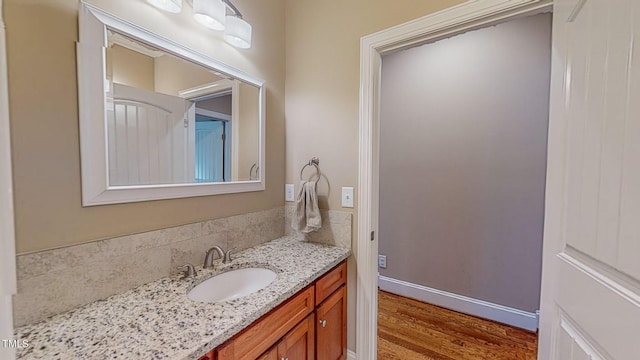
190,272
227,256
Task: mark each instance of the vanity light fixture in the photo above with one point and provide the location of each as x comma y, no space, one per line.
210,13
237,32
174,6
213,15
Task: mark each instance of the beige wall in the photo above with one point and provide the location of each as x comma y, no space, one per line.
41,38
322,81
463,139
322,85
173,74
128,67
247,128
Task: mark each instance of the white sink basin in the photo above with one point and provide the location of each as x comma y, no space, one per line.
232,285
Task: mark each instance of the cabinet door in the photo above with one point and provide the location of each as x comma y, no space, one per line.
331,327
270,355
260,336
207,356
298,344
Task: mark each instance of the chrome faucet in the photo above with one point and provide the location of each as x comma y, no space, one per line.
225,256
208,258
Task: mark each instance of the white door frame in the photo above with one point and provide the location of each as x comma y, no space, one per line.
7,235
466,16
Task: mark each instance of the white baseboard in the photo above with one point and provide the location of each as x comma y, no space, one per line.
351,355
503,314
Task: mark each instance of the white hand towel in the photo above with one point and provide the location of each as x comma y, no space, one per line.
306,217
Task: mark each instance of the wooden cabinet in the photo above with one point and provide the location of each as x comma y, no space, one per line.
310,325
208,356
271,354
331,333
330,282
262,334
299,344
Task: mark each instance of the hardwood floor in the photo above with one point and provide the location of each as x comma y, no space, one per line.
409,329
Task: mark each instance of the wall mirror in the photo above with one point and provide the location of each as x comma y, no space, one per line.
160,121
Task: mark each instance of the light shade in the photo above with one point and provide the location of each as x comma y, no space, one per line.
210,13
237,32
174,6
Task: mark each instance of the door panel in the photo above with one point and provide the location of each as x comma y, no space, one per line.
331,333
148,140
600,306
270,355
591,274
573,345
629,246
299,343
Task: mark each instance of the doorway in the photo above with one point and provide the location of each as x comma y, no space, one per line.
463,138
452,21
213,149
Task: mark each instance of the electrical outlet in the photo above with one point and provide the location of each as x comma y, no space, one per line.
347,197
382,261
289,192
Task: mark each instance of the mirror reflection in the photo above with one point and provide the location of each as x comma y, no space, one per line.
171,121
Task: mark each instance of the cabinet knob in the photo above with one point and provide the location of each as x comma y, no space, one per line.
323,323
284,358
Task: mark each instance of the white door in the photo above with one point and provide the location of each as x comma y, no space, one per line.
591,269
150,138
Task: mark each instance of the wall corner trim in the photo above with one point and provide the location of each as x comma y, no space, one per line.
351,355
8,283
464,304
7,228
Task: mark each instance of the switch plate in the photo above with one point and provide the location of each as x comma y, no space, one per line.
347,197
289,192
382,261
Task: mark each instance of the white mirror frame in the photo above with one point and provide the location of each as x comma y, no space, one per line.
91,57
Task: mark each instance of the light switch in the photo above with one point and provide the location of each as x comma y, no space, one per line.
289,192
347,197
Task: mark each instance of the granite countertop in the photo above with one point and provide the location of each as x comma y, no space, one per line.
158,321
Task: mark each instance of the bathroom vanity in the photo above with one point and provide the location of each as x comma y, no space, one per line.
310,325
300,315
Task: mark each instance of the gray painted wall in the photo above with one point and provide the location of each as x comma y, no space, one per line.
462,164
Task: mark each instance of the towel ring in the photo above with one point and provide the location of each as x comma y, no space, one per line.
313,162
